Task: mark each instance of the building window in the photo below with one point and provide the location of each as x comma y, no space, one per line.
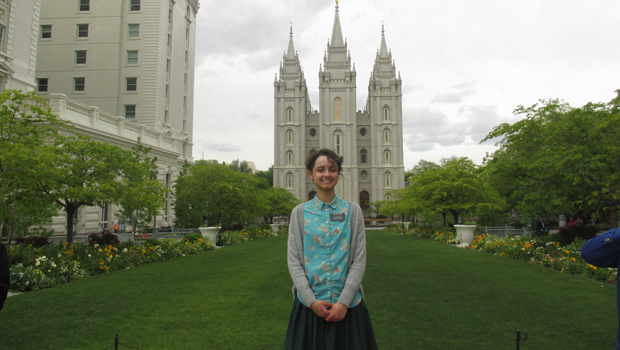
289,115
79,84
364,175
184,125
289,158
386,136
166,116
386,114
338,109
82,30
184,102
187,33
313,132
2,38
130,111
185,80
388,157
170,15
289,180
169,42
364,200
338,144
388,180
167,91
363,131
105,213
186,56
363,156
84,5
42,84
80,57
131,84
134,30
289,137
132,57
134,5
168,65
46,31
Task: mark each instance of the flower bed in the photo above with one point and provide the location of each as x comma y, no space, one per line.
53,264
545,251
249,234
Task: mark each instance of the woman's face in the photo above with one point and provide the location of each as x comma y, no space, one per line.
324,174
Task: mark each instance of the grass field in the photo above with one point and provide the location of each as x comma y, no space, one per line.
420,294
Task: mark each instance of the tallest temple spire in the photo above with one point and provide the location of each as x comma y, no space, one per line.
337,39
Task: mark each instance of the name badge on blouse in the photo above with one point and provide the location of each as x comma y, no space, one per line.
337,217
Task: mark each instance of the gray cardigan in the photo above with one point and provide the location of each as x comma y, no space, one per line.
357,258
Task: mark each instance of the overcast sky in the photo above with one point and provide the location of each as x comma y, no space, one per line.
465,65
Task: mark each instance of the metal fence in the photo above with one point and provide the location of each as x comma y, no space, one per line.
505,231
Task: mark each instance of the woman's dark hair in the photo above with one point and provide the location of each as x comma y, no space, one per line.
332,157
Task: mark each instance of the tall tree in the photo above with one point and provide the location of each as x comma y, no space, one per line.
560,159
453,187
280,202
79,172
141,194
217,192
242,166
27,127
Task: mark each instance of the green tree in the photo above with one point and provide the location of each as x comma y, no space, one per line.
242,166
266,174
280,202
141,194
27,127
454,187
79,172
218,193
559,159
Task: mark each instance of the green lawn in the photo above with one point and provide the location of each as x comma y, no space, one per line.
420,294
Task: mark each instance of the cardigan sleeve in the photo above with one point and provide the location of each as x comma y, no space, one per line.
295,257
603,250
357,264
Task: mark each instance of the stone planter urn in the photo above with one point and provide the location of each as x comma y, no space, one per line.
275,228
465,233
210,233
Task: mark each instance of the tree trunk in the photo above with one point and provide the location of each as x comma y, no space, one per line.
613,217
69,216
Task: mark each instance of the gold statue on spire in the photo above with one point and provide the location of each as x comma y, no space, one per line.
336,2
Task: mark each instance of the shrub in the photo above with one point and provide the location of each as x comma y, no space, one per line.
233,227
192,238
413,225
36,241
103,238
151,241
569,233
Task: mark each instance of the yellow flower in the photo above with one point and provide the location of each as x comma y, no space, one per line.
573,259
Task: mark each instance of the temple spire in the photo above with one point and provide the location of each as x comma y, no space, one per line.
290,53
337,39
383,51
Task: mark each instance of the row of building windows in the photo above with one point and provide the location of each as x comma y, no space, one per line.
387,134
82,30
79,84
84,5
337,112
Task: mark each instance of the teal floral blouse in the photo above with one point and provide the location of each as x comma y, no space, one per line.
327,239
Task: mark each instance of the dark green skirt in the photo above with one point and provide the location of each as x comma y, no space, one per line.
307,331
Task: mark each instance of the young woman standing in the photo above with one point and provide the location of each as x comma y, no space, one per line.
327,261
